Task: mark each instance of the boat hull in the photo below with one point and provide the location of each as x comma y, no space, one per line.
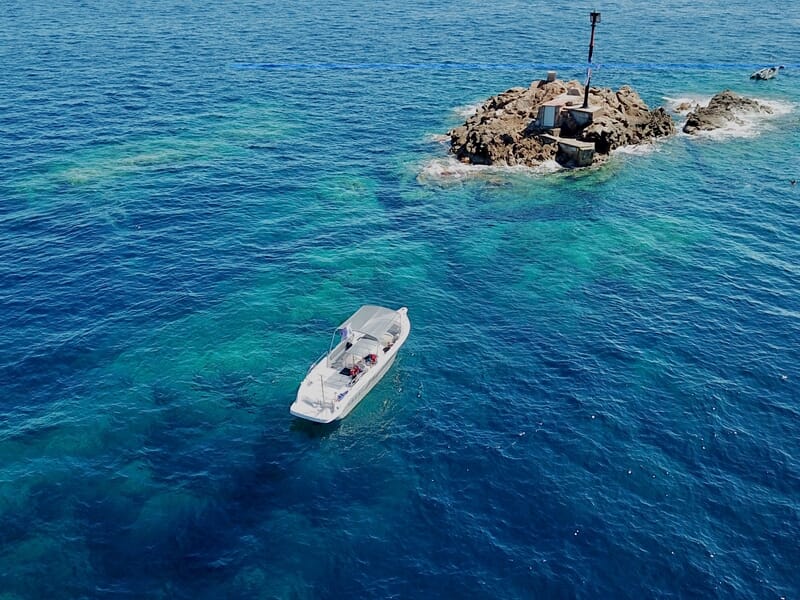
368,388
323,403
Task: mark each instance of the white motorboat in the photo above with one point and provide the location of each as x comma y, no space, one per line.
766,73
362,350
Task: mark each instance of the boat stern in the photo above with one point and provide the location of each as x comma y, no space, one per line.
310,410
312,403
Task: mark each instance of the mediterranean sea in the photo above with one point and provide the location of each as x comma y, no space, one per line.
600,395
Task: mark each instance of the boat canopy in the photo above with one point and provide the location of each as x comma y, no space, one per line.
371,320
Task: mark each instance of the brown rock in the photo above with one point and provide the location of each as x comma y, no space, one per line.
721,110
503,131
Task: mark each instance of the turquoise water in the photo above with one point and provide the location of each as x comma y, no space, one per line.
599,397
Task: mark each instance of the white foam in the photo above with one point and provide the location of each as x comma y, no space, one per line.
750,123
779,108
745,124
450,170
636,149
685,104
733,129
465,112
438,138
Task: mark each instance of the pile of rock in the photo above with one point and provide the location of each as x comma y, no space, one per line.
720,111
504,130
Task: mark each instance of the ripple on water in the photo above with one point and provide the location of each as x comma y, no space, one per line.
602,373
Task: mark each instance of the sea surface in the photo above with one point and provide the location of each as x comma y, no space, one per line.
600,396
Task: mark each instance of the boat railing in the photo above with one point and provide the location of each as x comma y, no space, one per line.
316,362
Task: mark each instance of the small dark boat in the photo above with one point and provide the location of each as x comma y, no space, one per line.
766,72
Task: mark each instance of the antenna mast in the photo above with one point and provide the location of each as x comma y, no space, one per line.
595,16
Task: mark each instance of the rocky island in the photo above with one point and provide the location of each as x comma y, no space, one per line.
723,108
551,120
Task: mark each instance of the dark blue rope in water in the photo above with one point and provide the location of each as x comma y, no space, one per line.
497,66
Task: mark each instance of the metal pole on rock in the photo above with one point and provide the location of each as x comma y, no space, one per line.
595,16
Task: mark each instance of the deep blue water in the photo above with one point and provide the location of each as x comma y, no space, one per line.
599,398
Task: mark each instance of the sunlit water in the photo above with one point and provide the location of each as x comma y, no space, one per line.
599,397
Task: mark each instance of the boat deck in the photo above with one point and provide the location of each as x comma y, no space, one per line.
336,383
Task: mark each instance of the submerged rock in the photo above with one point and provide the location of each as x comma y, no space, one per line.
720,111
504,129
